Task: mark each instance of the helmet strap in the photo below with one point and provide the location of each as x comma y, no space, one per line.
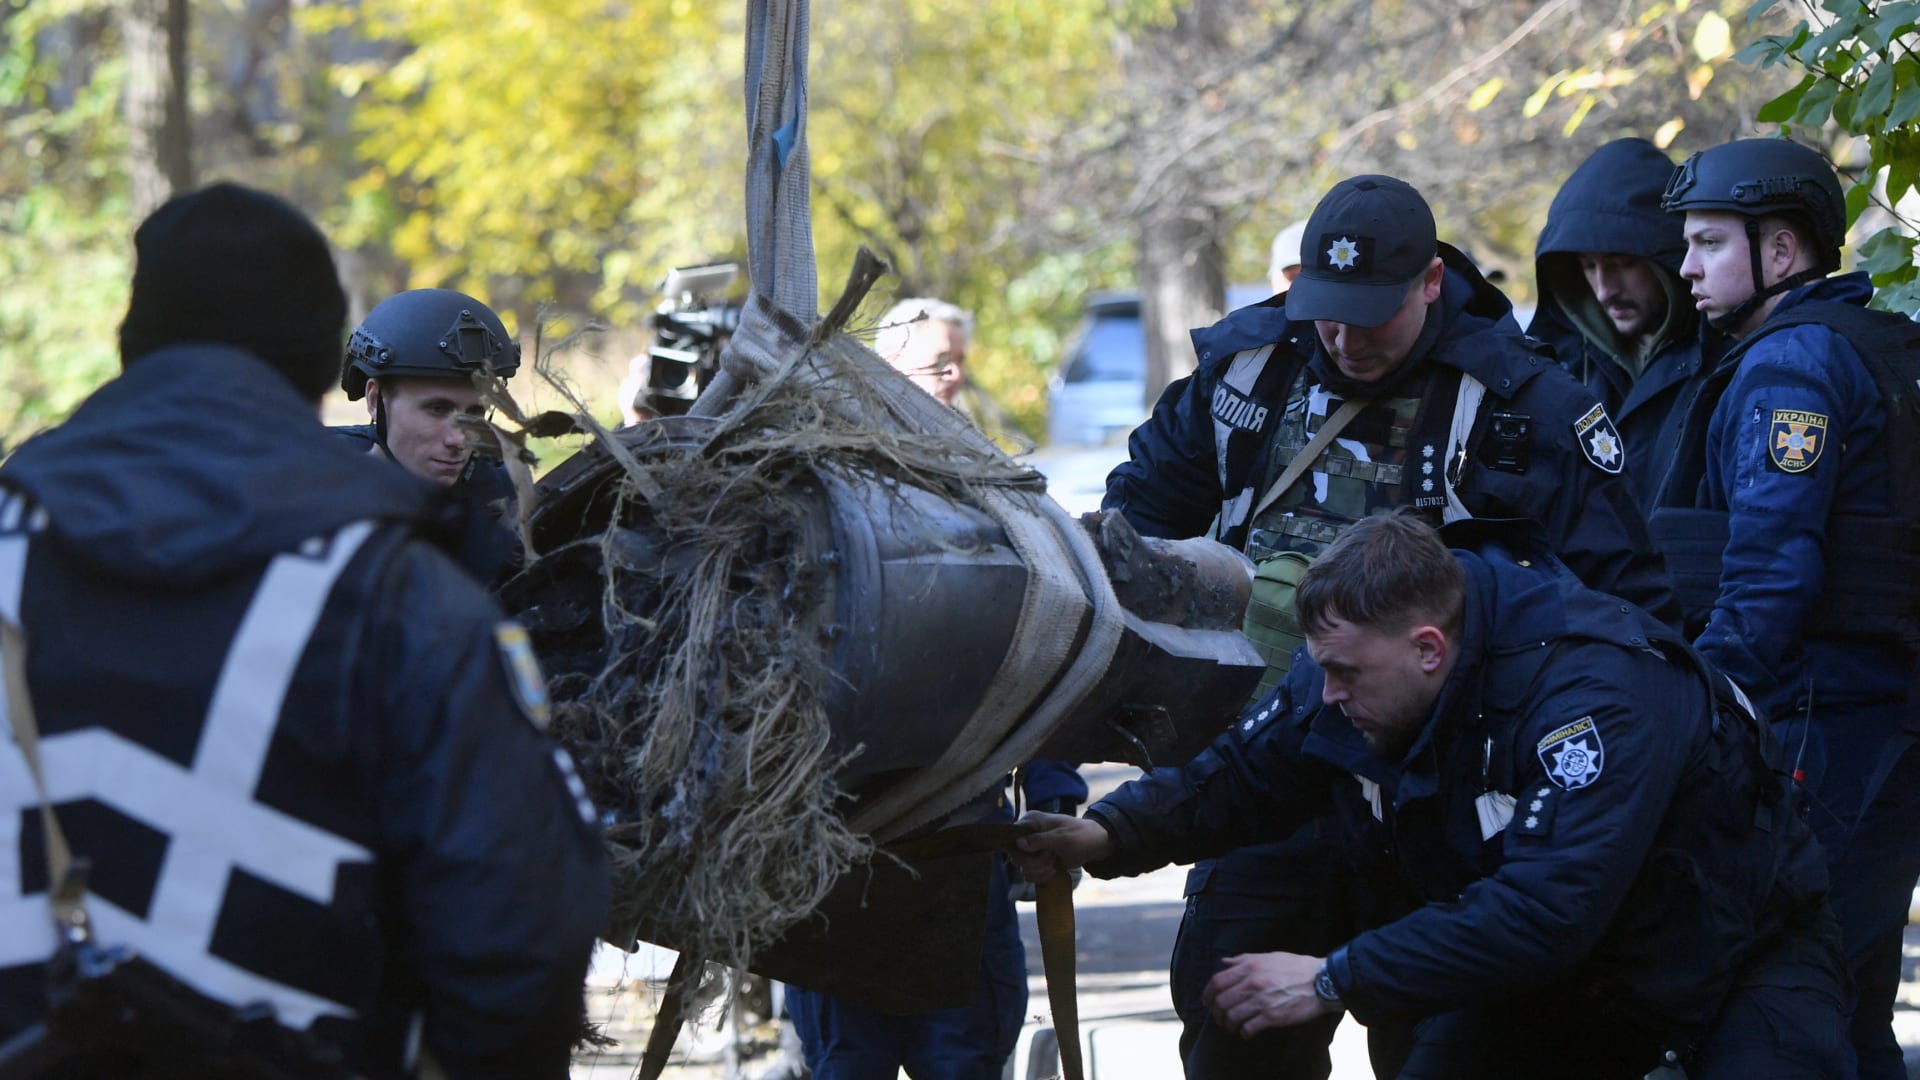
380,422
1729,322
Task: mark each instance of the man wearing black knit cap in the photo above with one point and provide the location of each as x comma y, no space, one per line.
282,755
1390,375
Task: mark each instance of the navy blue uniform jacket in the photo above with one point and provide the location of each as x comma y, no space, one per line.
1569,816
1778,502
401,733
1195,457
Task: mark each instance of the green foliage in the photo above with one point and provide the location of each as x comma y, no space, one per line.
63,213
67,271
537,141
1863,78
542,142
946,186
996,152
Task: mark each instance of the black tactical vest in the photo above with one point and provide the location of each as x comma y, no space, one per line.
1393,454
1872,588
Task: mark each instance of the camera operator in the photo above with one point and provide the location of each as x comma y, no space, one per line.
689,331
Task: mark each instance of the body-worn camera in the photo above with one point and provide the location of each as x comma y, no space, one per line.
1510,442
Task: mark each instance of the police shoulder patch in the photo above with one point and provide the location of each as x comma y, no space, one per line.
1795,439
523,672
1573,755
1599,440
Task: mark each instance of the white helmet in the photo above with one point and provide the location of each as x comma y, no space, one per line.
1286,253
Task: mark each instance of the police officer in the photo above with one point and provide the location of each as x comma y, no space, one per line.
1597,862
1447,409
299,748
413,359
1770,514
1612,303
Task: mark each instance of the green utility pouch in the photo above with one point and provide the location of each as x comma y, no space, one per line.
1271,623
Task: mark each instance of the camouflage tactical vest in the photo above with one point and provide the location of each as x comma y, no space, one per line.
1392,454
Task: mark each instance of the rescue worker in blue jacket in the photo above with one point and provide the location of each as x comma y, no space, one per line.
413,359
1595,861
1613,304
1768,516
300,748
1462,416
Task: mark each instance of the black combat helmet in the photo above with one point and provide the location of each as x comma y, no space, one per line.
1761,177
1757,177
428,333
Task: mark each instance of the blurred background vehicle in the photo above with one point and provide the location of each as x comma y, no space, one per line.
1098,393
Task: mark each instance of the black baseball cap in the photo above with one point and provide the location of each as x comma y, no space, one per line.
1366,242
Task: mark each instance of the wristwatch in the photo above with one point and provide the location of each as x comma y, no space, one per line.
1324,989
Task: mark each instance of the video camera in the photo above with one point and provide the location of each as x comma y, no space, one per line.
689,330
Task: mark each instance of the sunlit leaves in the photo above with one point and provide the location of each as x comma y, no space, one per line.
1579,113
1886,255
1539,98
545,141
525,140
1712,37
1861,76
1669,44
64,218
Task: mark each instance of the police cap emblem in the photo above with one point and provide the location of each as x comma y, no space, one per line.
1347,252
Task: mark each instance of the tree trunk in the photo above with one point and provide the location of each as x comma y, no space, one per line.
1182,285
159,136
1181,258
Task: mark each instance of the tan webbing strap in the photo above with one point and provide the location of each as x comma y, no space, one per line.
66,876
1058,549
1053,912
13,644
1042,647
1304,460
